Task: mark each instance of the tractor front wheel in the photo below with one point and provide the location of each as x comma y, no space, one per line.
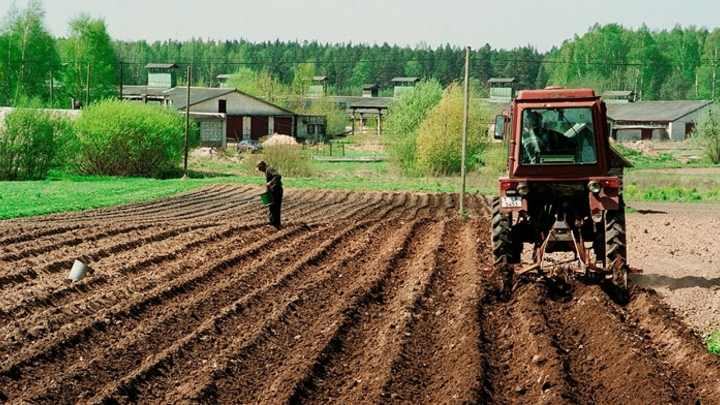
615,235
502,238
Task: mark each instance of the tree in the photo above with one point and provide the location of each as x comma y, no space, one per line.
258,84
708,71
439,141
403,119
643,74
361,74
302,78
28,55
89,52
707,133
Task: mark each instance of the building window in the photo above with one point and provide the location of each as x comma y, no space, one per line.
222,106
311,129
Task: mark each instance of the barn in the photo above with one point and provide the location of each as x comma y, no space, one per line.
223,114
656,120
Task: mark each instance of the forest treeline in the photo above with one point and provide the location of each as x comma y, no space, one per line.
681,63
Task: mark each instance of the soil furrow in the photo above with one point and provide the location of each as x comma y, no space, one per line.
677,344
531,368
128,321
441,362
346,372
361,297
22,233
262,305
585,352
387,210
42,245
129,310
92,250
324,316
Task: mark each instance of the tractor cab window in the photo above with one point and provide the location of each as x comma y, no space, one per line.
553,136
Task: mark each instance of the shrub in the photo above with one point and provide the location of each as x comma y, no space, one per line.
403,119
713,342
31,142
707,133
289,160
439,142
131,139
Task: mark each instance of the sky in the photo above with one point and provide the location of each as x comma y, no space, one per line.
503,24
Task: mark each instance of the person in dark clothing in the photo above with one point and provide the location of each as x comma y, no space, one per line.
273,183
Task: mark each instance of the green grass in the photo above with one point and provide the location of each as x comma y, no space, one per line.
28,198
669,186
713,342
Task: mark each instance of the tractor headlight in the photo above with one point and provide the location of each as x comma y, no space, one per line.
594,186
523,188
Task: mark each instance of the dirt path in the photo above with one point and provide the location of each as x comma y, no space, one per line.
360,298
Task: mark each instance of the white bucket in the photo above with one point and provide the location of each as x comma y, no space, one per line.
78,271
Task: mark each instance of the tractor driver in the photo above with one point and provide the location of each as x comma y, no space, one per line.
531,140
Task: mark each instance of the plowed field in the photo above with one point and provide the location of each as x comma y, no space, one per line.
371,297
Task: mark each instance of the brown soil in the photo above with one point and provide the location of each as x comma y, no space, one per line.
361,298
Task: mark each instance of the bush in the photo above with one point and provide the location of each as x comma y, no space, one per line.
31,142
707,133
439,143
289,160
403,119
131,139
713,342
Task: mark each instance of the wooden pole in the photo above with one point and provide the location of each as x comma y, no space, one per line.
465,129
121,80
87,92
187,118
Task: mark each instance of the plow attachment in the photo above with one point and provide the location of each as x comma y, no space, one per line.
573,259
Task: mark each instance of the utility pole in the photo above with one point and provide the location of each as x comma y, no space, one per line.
51,87
465,130
121,81
87,92
187,118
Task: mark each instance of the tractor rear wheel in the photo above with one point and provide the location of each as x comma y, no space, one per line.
615,235
502,238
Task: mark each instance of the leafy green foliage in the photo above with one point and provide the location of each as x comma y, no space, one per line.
31,141
28,54
439,142
707,132
289,160
403,121
713,342
258,84
91,56
130,139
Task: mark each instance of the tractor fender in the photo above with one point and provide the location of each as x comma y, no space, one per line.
605,200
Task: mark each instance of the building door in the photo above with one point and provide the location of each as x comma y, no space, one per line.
283,125
259,127
234,128
247,126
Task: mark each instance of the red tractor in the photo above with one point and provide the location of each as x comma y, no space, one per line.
563,190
